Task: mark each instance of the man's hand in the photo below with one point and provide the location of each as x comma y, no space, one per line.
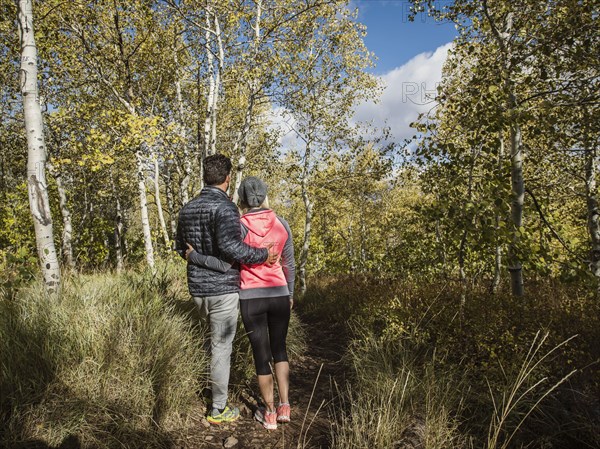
188,251
273,256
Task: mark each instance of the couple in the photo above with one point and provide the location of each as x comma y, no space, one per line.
247,262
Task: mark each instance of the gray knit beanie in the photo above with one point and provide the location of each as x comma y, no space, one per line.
252,191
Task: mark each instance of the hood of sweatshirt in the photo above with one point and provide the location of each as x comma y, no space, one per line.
259,222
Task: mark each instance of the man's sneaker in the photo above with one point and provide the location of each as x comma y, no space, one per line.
283,412
229,414
266,418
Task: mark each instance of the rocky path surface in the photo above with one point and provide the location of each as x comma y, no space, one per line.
313,381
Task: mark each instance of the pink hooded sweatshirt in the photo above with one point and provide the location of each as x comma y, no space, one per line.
262,281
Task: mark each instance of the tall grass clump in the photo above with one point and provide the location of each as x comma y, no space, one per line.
522,395
494,371
110,362
398,398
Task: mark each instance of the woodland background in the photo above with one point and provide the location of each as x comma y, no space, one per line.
463,265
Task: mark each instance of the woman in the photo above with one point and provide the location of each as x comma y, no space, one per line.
266,296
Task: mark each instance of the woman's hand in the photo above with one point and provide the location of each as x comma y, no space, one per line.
291,303
188,251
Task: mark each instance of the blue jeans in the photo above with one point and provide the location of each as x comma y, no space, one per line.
222,312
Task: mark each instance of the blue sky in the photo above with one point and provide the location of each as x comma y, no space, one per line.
409,66
393,38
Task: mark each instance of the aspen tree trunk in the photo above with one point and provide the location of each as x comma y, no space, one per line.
463,240
242,140
161,216
187,165
215,106
200,144
363,236
498,252
170,202
441,247
128,102
308,207
241,143
516,208
119,227
36,151
67,235
211,85
593,210
144,209
119,237
139,158
516,154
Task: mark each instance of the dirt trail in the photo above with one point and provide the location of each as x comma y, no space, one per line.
308,429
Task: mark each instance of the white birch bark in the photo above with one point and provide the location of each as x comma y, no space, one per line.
593,211
241,142
215,106
161,216
170,201
36,151
516,154
67,234
144,209
200,145
516,209
211,85
119,236
498,251
187,164
118,227
308,208
240,149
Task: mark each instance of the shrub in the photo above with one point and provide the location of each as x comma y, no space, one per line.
107,361
395,402
422,329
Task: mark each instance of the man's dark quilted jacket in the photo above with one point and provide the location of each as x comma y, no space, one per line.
211,224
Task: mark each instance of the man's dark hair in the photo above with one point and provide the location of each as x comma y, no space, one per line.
216,169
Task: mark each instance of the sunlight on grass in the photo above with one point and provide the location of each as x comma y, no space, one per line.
110,360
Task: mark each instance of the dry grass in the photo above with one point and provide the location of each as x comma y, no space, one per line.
108,361
430,375
394,402
114,361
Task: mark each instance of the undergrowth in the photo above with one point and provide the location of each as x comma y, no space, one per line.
499,372
114,360
109,360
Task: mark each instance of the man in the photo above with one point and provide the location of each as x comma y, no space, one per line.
210,223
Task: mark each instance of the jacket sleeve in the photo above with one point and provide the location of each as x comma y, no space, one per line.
210,262
288,262
229,238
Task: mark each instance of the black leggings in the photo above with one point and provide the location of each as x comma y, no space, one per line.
266,322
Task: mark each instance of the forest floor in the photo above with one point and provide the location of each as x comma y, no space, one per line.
314,376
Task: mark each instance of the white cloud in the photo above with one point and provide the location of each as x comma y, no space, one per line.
408,91
282,122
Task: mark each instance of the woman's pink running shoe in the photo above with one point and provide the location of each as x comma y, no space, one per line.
283,412
266,418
